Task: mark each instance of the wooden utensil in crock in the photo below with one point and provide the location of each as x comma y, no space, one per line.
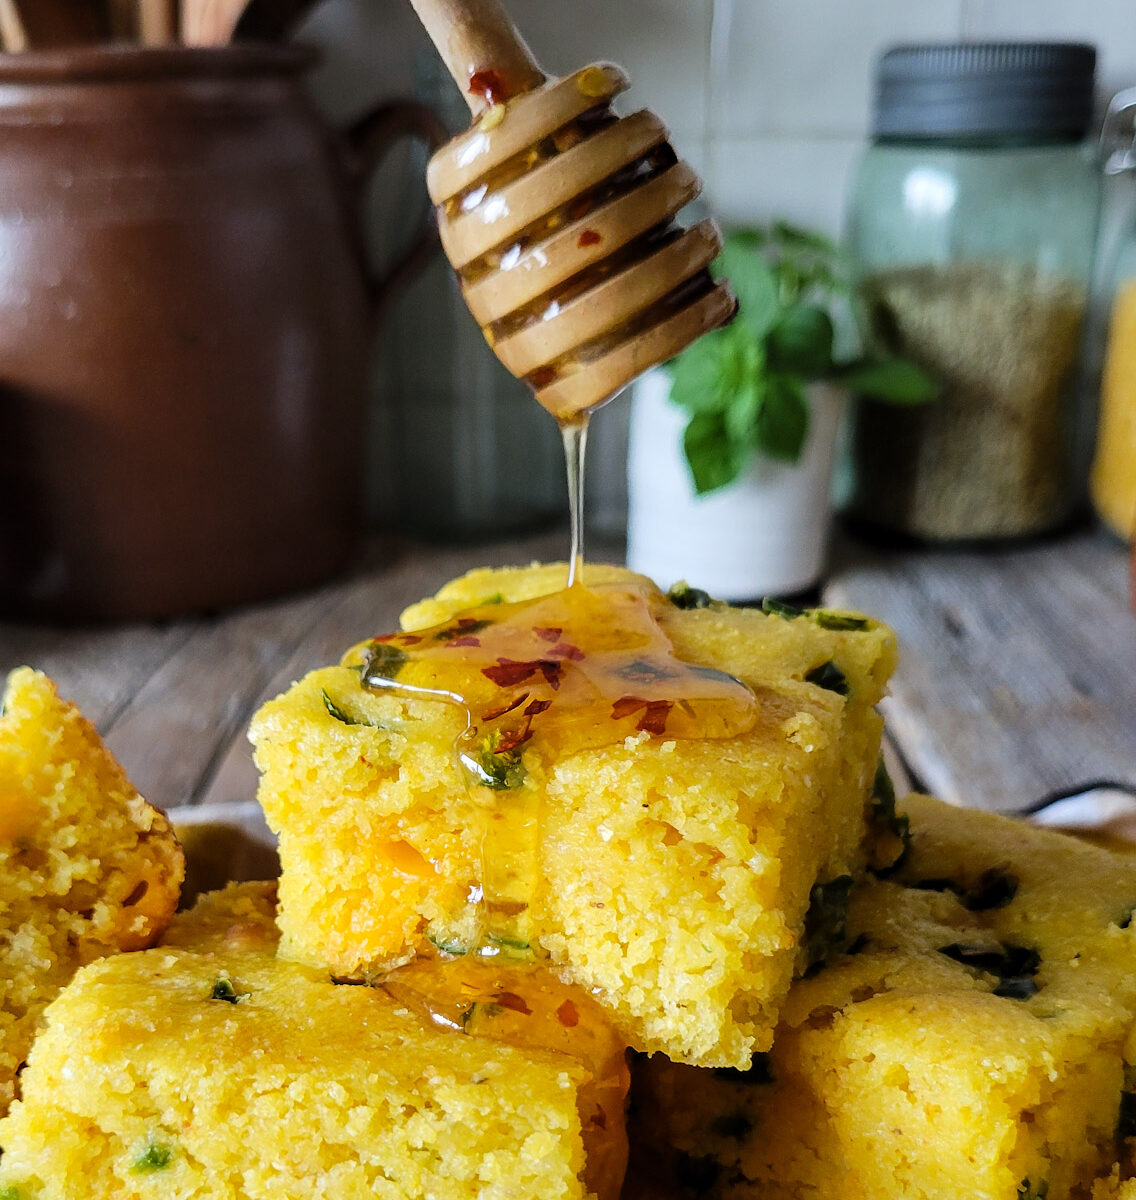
185,313
50,24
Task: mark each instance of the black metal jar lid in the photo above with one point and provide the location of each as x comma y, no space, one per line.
982,89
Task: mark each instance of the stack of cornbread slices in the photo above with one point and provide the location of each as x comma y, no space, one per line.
825,997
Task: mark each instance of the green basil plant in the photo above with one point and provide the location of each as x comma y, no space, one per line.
745,386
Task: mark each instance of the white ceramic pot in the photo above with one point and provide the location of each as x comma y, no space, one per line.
766,534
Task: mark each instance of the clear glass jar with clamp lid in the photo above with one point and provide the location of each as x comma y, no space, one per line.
972,226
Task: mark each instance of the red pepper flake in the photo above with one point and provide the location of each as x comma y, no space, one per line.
537,707
654,720
494,713
464,641
514,1002
567,650
551,672
488,85
655,713
568,1015
547,633
386,637
514,739
471,623
509,672
588,238
625,706
409,639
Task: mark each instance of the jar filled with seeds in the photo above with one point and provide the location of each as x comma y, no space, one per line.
971,228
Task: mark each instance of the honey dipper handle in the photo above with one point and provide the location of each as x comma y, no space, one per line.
482,49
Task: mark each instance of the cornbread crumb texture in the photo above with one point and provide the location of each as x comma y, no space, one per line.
263,1079
1114,1187
239,918
644,846
87,868
975,1038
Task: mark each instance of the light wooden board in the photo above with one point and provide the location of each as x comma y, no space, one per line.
1017,678
1017,675
173,701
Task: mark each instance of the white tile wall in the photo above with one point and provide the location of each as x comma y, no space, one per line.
662,43
804,68
803,179
770,98
1109,24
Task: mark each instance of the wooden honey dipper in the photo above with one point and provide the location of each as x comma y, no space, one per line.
558,217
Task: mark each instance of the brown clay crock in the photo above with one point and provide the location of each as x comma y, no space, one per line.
184,326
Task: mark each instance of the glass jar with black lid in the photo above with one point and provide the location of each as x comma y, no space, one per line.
971,228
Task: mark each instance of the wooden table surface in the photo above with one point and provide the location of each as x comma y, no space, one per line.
1017,677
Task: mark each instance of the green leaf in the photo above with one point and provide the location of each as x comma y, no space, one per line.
682,595
749,241
153,1157
777,608
709,374
891,380
740,418
453,946
223,989
754,283
493,768
783,423
714,458
384,661
826,918
829,676
801,341
806,239
839,622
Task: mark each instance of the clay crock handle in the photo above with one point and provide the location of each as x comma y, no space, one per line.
481,49
369,139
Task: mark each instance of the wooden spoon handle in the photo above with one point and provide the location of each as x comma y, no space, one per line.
481,48
13,35
157,22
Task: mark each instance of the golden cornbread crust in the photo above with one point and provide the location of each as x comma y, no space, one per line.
285,1086
87,867
972,1040
674,874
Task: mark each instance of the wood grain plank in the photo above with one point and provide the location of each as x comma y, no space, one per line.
367,606
174,700
1017,674
100,669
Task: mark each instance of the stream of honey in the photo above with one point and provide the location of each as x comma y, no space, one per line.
575,435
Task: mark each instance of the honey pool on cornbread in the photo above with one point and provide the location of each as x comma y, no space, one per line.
212,1068
662,856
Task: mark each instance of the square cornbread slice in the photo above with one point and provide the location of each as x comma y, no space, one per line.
971,1039
672,875
223,1070
87,867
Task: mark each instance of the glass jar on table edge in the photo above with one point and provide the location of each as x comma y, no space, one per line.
972,226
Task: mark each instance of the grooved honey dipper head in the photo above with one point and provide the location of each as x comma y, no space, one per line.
559,218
